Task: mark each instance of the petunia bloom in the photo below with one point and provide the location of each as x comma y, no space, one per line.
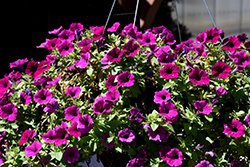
85,124
126,135
85,44
112,95
19,64
43,96
234,129
33,149
235,163
66,35
73,92
73,130
8,111
248,120
52,43
135,115
114,55
98,33
241,59
199,77
35,69
48,137
213,35
104,141
231,43
55,31
174,157
138,162
25,99
201,38
169,111
71,154
148,38
110,83
204,163
162,96
76,26
131,48
65,47
220,91
169,71
60,134
26,136
72,113
126,79
202,107
114,27
159,134
101,106
163,152
51,106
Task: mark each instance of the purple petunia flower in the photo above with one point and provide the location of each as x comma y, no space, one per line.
34,69
221,70
162,96
231,43
51,106
174,157
213,35
42,96
19,63
55,31
8,111
169,111
65,47
84,61
129,30
242,37
33,149
241,59
131,48
76,26
66,35
199,77
98,33
138,162
234,129
72,113
101,106
112,95
104,140
201,38
85,123
200,50
85,44
169,71
26,136
48,137
73,130
126,135
159,134
114,27
126,79
60,134
168,37
220,91
4,85
211,153
110,83
235,163
73,92
248,120
148,39
163,152
25,99
114,55
204,163
202,107
135,115
71,154
52,43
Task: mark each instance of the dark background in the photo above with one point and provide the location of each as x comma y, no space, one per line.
25,24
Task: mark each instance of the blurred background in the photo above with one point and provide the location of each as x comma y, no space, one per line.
25,24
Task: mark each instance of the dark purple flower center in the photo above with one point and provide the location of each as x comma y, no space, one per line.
71,154
176,157
147,40
66,48
126,136
74,114
72,93
43,97
163,97
35,150
169,71
231,45
198,77
53,45
5,85
115,55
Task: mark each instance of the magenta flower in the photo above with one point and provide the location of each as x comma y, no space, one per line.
51,58
104,141
159,134
169,71
213,35
42,96
202,107
52,43
235,163
129,30
135,115
220,91
4,85
19,63
131,48
65,47
26,136
66,35
200,50
126,79
138,162
163,152
72,113
114,55
25,99
248,120
169,111
168,37
76,26
85,124
73,130
112,95
148,38
85,44
110,83
162,96
201,38
101,106
221,70
199,77
234,129
174,157
114,27
8,111
242,37
71,154
84,61
241,59
98,33
48,137
33,149
204,163
34,69
55,31
60,134
51,106
126,135
73,92
160,29
231,43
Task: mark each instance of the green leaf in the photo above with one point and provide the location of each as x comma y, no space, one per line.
56,155
131,151
154,126
209,117
119,149
209,140
240,113
194,130
169,127
90,71
14,125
